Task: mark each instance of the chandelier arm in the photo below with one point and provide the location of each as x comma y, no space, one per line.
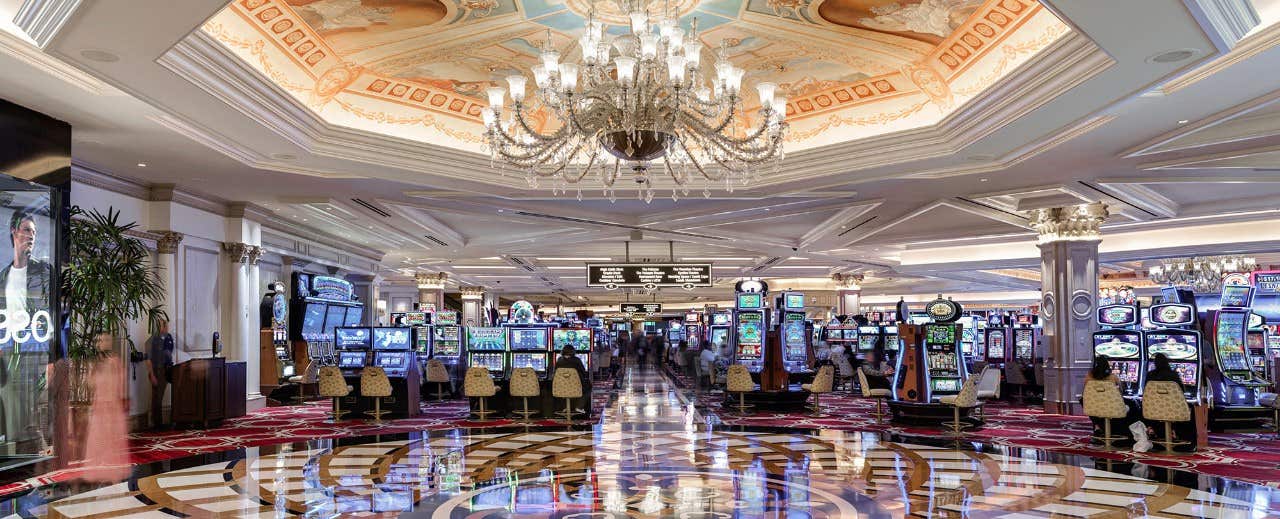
671,171
585,171
698,165
563,164
534,157
524,125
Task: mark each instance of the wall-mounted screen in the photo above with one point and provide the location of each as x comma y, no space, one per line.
391,339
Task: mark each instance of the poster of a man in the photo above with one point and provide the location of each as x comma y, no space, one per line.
26,326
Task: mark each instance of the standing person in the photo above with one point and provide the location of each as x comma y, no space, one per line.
159,366
678,354
659,350
1163,371
641,346
106,436
569,359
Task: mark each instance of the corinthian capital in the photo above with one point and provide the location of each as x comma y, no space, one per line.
168,242
1074,223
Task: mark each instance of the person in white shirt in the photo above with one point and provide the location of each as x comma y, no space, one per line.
707,366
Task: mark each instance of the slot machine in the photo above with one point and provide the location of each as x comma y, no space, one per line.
750,323
675,332
353,345
275,356
997,339
1176,337
979,338
393,352
446,338
944,364
530,348
1257,345
318,305
1025,339
718,330
797,351
868,336
419,324
1234,385
1120,342
692,327
487,348
579,338
891,340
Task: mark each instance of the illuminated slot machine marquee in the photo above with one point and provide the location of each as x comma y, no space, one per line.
868,336
749,330
692,326
419,322
944,360
579,338
997,339
1175,337
446,337
392,350
487,348
530,348
1120,342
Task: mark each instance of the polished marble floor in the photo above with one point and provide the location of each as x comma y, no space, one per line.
652,455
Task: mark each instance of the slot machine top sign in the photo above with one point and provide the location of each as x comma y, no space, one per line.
649,275
943,310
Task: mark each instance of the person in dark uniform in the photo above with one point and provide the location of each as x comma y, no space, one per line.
159,364
569,359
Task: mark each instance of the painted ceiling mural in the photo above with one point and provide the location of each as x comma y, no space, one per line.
850,69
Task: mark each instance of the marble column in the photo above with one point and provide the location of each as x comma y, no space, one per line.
366,288
472,299
431,289
166,261
848,293
240,332
1068,241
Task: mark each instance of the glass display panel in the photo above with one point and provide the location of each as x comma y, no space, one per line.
579,339
527,339
487,339
1117,345
1176,346
353,338
537,361
391,339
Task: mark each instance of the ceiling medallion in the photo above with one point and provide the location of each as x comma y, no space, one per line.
639,105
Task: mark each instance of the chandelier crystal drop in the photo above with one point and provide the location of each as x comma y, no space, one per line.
1204,274
640,104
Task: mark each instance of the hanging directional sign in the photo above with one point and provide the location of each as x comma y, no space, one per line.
648,275
641,308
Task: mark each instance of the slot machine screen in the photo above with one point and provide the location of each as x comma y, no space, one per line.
353,338
391,339
753,301
528,339
835,335
719,335
1230,337
995,344
1116,345
414,319
447,348
1171,315
489,361
537,361
1117,315
579,339
1174,346
313,321
1257,341
794,301
445,333
492,339
750,331
1126,371
793,337
334,317
354,314
1236,296
942,362
421,343
720,319
1023,343
392,361
350,359
867,342
940,334
1188,372
946,385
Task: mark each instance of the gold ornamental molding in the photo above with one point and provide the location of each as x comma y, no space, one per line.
472,293
848,282
1073,223
168,242
431,280
243,252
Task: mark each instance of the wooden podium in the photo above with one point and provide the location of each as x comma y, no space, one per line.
208,391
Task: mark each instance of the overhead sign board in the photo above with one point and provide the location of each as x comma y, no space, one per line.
1267,282
648,275
641,308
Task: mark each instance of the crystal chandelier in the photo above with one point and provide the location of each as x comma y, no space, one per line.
631,105
1203,274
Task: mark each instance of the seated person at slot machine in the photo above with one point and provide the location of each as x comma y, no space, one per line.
878,370
1101,370
569,359
1185,431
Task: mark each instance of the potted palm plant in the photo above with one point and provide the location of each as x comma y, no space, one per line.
108,283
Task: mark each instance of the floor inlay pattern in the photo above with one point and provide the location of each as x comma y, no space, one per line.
612,472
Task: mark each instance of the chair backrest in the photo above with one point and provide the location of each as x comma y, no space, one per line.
1102,399
1014,374
311,374
862,383
739,380
566,384
824,380
846,367
478,382
968,396
1162,400
436,372
990,380
524,382
374,382
331,382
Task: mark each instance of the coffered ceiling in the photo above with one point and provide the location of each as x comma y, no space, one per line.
1175,130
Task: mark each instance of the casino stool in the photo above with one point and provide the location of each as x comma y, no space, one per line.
479,384
880,394
310,375
437,374
1102,399
988,389
1163,401
566,384
332,385
966,398
739,381
374,383
1272,400
821,384
524,384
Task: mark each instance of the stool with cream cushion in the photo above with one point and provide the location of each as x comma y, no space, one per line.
739,381
988,388
310,375
566,384
966,398
375,384
478,383
880,394
822,383
1102,399
524,384
1163,401
439,375
332,385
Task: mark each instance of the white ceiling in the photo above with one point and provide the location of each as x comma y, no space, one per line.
1098,122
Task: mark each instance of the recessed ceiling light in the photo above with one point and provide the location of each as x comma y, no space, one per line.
284,156
1184,121
982,180
980,157
142,164
1173,56
553,258
100,56
502,210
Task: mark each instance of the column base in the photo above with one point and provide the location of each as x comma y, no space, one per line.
1067,408
254,402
